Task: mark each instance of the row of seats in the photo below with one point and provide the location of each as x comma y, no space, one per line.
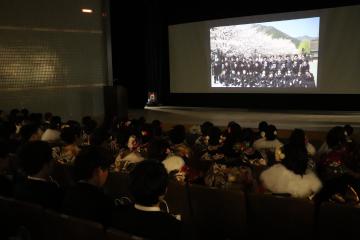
25,221
210,213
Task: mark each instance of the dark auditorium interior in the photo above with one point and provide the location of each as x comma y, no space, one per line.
149,119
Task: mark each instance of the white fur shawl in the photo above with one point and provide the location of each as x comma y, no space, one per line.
278,179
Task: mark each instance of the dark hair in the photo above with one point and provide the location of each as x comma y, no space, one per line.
4,148
156,128
34,155
157,149
247,135
349,129
24,112
47,116
27,131
89,159
148,181
69,134
336,137
177,134
99,136
205,128
296,158
234,132
262,126
214,136
55,122
270,132
297,137
146,133
89,125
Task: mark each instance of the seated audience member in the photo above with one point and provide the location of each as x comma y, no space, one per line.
30,132
292,175
269,144
156,126
47,118
213,151
67,153
6,179
87,199
129,156
177,135
349,130
340,181
52,134
177,162
202,142
232,137
262,127
38,187
148,184
158,149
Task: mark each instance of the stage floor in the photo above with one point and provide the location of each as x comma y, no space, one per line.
307,120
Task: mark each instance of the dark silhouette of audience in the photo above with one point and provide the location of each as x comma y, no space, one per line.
87,199
148,184
38,187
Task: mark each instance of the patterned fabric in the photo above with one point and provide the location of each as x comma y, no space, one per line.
65,154
221,176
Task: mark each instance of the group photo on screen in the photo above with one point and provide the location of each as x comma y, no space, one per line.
279,54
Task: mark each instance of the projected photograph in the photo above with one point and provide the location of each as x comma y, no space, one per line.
278,54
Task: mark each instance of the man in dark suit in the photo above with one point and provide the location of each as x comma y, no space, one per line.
38,187
87,199
148,183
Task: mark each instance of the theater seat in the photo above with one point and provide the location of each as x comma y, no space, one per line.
113,234
72,228
177,199
218,213
21,218
276,217
337,221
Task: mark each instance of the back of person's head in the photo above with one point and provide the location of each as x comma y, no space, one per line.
4,149
55,122
69,135
336,137
89,125
214,136
146,133
157,149
99,137
297,137
48,116
6,130
30,132
247,135
296,158
35,118
348,129
34,156
177,134
148,182
271,133
234,132
205,128
25,112
93,163
263,127
156,128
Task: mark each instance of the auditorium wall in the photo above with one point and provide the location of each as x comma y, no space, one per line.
54,57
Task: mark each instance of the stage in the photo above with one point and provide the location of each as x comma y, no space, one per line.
307,120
